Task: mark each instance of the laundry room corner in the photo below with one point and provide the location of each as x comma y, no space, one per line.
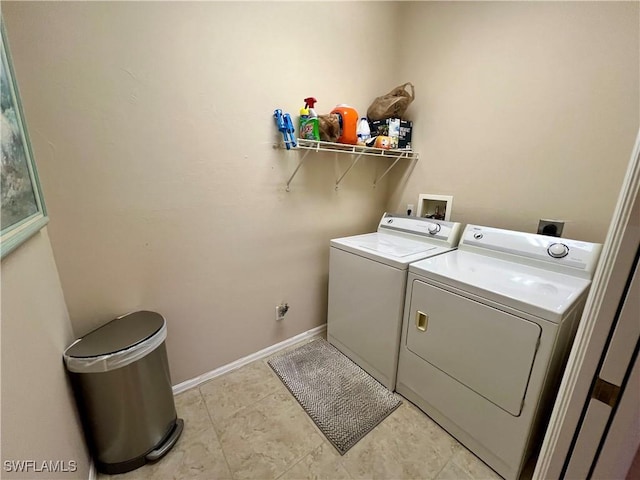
155,146
526,110
426,186
39,420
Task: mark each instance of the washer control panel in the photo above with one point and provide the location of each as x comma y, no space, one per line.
570,253
425,227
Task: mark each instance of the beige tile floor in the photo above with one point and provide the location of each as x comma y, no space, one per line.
246,425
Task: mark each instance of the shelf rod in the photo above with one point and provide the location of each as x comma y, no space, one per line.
389,169
320,146
296,170
348,169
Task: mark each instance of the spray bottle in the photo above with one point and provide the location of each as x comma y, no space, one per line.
309,126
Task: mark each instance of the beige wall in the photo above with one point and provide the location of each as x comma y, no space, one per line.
152,127
524,110
39,420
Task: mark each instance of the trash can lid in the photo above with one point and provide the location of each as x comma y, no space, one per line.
119,334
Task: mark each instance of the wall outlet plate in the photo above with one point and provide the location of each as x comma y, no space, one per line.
410,209
281,311
552,228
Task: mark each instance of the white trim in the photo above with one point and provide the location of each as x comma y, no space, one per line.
553,446
194,382
92,470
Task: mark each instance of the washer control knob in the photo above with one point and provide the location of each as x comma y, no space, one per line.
558,250
477,236
433,228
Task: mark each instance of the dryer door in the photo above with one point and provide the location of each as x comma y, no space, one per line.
487,350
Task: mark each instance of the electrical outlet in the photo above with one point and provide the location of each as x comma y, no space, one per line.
410,209
281,311
552,228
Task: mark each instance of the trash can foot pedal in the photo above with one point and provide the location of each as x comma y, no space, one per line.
155,455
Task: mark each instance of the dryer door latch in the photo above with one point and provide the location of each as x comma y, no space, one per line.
422,320
605,392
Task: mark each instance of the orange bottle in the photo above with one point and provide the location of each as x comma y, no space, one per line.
348,124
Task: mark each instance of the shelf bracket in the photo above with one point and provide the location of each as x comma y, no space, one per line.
296,170
398,158
321,146
348,169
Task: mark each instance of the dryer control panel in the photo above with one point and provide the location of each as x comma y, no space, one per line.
448,232
578,258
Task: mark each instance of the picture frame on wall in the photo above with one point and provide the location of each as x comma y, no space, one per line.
22,209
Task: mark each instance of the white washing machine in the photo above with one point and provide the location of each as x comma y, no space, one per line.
486,332
367,280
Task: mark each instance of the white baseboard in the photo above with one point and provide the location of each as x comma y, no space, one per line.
194,382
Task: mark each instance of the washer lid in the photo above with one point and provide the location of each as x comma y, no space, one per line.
120,334
543,293
395,246
391,249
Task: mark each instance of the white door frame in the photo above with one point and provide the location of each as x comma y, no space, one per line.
607,288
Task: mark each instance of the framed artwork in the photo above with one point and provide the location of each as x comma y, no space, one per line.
22,209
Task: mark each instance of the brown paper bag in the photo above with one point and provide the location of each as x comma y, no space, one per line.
393,104
329,126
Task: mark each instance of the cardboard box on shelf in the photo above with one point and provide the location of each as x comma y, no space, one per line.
398,130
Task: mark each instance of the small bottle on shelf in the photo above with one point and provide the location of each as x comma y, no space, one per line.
364,132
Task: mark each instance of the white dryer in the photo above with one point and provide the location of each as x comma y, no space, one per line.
367,280
486,332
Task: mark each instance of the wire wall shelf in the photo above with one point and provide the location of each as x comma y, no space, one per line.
358,151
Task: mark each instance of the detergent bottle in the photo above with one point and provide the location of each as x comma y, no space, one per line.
363,132
348,124
309,126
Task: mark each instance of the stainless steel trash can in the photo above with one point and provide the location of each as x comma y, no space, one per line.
120,376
